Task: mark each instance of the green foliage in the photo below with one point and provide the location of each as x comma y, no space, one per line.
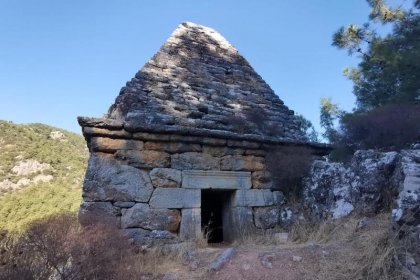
68,161
389,71
386,83
308,128
330,113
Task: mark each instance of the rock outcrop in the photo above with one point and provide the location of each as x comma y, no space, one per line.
372,182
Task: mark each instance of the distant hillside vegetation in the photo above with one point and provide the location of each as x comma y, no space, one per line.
41,173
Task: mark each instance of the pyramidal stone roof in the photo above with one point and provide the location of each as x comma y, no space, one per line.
199,84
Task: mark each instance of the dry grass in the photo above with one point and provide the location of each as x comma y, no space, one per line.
358,253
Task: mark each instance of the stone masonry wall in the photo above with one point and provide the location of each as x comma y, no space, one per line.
150,184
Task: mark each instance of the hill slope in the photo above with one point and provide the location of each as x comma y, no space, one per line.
41,171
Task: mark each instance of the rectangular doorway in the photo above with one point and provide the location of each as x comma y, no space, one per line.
216,215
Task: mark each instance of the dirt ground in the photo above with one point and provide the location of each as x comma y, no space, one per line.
256,262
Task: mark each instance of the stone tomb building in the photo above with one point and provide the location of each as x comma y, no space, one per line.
184,146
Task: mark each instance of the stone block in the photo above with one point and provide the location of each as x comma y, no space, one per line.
124,204
242,221
141,236
175,198
104,144
252,152
266,217
214,141
108,180
218,151
144,159
142,216
243,144
261,180
190,224
197,179
172,147
96,131
253,198
165,178
151,136
192,160
242,163
98,211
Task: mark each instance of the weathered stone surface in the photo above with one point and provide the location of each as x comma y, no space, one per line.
175,198
142,216
219,151
29,166
103,144
407,181
100,122
151,136
123,204
222,259
141,236
201,94
261,180
279,198
260,153
191,160
197,179
266,217
172,147
243,220
242,163
108,180
165,178
144,159
214,141
288,216
96,131
406,213
333,189
253,198
98,211
243,144
190,224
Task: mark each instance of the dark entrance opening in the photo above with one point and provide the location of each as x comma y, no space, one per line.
216,215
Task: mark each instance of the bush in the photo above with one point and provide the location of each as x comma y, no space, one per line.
59,248
389,127
288,165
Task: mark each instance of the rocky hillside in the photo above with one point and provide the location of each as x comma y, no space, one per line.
41,171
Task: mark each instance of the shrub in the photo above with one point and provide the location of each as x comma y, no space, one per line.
60,248
288,165
389,127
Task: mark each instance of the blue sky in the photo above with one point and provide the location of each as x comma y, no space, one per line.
63,59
